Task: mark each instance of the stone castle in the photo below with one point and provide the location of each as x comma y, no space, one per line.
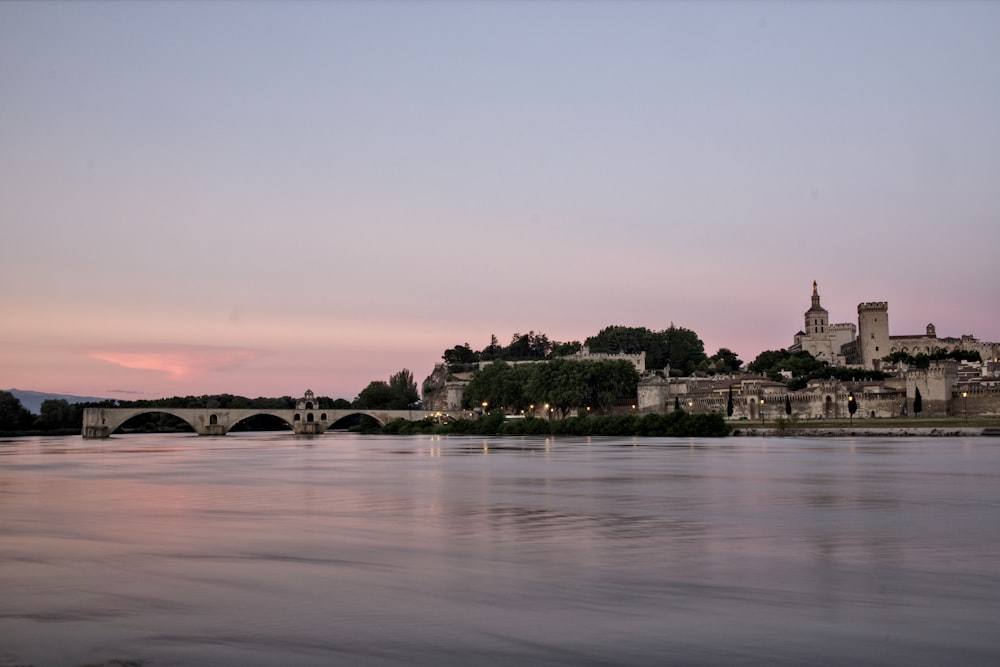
867,344
947,388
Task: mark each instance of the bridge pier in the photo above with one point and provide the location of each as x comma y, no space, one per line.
94,431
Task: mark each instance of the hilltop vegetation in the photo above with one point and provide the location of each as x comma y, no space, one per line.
679,348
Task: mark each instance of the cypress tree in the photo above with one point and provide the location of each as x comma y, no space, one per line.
729,403
918,402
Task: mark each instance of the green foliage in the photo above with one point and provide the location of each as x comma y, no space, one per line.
13,415
562,383
57,413
399,393
772,362
404,387
677,347
522,347
460,357
923,360
836,373
918,402
566,349
499,385
527,346
676,424
725,361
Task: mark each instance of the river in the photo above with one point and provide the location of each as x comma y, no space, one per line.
270,549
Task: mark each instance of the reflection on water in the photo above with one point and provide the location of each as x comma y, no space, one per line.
340,549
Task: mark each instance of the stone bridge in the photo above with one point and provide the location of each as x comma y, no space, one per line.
306,419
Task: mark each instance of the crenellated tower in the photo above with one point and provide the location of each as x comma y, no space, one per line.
873,333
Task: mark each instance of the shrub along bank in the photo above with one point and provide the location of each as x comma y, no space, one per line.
678,424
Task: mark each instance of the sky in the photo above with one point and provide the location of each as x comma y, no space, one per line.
258,198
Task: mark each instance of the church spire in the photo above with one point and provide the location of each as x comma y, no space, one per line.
817,319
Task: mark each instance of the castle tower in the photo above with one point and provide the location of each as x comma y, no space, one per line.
873,332
817,319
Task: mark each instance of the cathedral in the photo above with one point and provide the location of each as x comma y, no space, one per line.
868,343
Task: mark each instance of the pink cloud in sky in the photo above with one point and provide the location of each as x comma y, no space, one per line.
179,362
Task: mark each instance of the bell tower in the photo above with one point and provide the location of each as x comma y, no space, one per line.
817,319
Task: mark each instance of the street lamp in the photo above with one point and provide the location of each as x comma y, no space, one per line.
762,412
965,400
852,406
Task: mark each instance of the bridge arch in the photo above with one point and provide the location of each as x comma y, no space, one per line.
102,422
121,417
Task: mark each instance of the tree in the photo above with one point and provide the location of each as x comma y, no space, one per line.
685,350
460,355
56,413
528,346
677,403
566,349
404,389
377,395
801,365
918,402
499,385
492,351
726,361
729,402
565,384
399,393
677,347
788,406
852,405
13,416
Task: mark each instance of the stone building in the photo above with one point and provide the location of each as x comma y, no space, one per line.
870,342
821,339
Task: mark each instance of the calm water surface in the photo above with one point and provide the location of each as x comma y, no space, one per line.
271,550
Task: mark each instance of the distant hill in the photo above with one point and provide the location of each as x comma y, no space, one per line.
32,400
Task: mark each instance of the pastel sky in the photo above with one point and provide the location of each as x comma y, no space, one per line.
262,197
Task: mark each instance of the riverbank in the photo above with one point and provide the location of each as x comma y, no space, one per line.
896,428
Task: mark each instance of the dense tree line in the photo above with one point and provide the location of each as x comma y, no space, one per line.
679,348
399,393
923,360
673,424
804,367
13,415
562,384
522,347
676,347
